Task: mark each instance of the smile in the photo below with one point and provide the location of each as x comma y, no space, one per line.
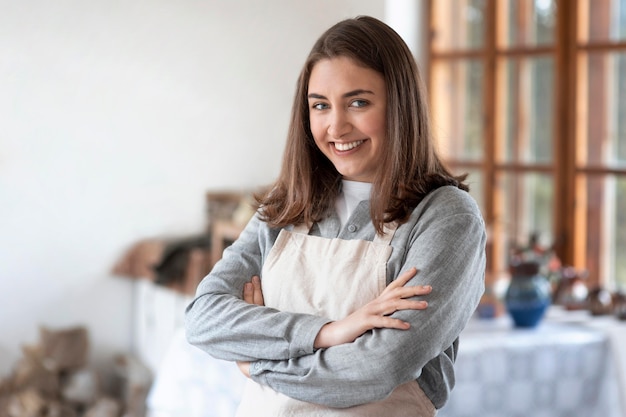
347,146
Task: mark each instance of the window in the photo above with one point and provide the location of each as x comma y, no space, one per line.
529,98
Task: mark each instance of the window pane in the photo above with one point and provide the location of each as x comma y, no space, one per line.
457,98
458,24
602,20
619,249
525,92
605,218
602,136
476,184
526,207
527,22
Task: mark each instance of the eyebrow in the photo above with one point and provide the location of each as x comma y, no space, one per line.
346,95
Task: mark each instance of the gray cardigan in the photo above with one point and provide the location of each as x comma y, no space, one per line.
444,238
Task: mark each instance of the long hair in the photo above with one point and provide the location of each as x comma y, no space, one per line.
308,183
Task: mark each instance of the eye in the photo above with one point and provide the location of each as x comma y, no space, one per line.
359,103
319,106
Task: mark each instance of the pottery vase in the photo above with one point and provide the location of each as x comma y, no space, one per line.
619,305
528,295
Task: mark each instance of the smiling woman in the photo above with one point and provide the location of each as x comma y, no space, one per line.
348,105
319,301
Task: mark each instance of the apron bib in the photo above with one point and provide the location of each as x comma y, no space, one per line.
330,278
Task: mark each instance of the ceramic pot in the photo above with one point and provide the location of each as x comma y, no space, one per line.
528,295
619,305
600,302
571,291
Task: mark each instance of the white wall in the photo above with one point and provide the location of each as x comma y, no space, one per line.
408,18
115,118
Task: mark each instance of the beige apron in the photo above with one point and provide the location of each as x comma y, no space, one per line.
330,278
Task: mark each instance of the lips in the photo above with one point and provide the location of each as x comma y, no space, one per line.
347,146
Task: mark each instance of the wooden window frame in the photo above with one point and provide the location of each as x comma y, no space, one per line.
570,200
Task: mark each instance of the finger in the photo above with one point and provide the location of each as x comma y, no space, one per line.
403,278
391,323
405,292
397,305
244,367
424,289
248,293
258,293
411,291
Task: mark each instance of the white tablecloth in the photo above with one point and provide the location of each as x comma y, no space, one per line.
571,365
191,383
568,366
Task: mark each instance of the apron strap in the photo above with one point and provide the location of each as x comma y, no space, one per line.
302,228
388,231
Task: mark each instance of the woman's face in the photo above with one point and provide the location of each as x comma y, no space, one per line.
347,112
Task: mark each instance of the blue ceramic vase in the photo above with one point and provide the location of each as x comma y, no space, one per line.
528,295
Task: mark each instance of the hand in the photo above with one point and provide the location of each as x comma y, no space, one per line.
252,294
244,367
375,314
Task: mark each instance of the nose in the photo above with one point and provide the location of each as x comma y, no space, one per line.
339,124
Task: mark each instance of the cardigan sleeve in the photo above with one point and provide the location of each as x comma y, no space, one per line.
221,323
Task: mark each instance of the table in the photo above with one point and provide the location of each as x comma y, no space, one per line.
565,367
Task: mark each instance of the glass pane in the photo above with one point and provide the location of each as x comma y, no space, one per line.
619,260
458,24
602,20
527,22
476,183
525,95
602,136
457,103
605,218
525,208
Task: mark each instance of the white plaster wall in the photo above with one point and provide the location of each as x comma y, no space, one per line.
408,18
115,118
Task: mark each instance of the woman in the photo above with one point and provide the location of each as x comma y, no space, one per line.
332,322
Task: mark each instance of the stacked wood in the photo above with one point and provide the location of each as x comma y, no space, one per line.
54,379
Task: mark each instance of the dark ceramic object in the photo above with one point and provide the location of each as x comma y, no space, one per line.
528,295
619,305
571,291
600,302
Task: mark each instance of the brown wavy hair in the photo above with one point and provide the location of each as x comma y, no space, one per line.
308,183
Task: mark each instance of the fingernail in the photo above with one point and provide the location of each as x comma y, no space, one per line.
428,287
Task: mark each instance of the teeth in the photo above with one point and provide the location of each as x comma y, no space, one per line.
347,146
